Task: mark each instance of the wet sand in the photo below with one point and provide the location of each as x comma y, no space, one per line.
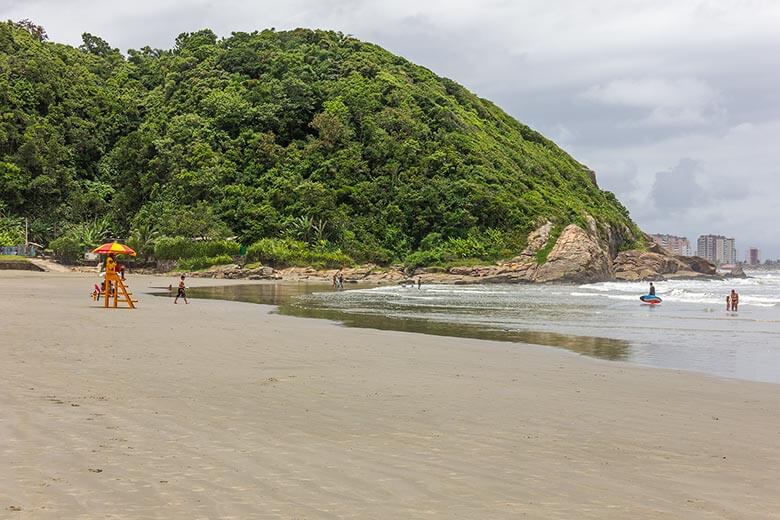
222,410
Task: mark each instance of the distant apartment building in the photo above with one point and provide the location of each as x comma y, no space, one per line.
753,256
673,244
717,249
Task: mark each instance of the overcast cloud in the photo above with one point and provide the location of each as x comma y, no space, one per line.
675,104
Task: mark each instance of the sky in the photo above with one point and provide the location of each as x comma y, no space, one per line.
674,103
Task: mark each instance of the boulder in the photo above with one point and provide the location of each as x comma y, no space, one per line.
578,257
475,271
698,264
657,264
636,265
737,272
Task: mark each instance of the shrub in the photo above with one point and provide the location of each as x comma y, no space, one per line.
423,258
168,248
67,249
487,246
220,248
288,252
194,264
11,232
90,234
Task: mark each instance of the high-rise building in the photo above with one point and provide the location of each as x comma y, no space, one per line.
717,249
673,244
753,256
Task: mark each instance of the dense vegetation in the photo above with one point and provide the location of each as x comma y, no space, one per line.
309,144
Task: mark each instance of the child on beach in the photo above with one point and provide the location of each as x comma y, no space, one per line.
181,293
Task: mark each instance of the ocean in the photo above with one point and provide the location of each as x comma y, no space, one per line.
690,330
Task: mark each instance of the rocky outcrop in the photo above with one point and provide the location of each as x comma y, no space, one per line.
537,240
235,271
577,256
737,272
658,264
591,255
637,265
699,265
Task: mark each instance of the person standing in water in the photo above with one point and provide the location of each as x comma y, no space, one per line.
181,293
419,283
734,300
652,289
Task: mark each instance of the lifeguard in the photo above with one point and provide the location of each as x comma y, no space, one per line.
113,285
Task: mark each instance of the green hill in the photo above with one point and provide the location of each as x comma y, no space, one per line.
306,135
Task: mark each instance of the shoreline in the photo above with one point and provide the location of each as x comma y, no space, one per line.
216,409
498,273
282,303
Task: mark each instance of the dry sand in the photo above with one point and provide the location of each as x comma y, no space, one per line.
223,410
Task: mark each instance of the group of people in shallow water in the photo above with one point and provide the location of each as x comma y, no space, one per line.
732,300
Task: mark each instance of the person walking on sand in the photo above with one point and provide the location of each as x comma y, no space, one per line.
181,293
734,300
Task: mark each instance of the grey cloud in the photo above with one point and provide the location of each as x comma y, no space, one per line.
676,190
689,187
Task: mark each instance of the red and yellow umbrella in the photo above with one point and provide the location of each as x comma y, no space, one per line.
115,248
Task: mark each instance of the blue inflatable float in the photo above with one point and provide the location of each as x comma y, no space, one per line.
652,299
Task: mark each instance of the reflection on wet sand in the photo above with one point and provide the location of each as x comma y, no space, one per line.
288,299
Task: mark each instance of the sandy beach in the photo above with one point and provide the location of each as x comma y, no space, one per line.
224,410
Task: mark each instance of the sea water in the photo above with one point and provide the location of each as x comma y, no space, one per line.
690,330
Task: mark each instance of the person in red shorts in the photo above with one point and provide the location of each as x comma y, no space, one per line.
181,293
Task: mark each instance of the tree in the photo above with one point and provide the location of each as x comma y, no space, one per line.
36,31
306,134
97,46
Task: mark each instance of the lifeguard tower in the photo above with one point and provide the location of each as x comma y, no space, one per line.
114,288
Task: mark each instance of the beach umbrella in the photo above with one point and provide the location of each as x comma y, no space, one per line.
115,248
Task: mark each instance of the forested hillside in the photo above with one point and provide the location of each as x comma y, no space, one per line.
306,139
